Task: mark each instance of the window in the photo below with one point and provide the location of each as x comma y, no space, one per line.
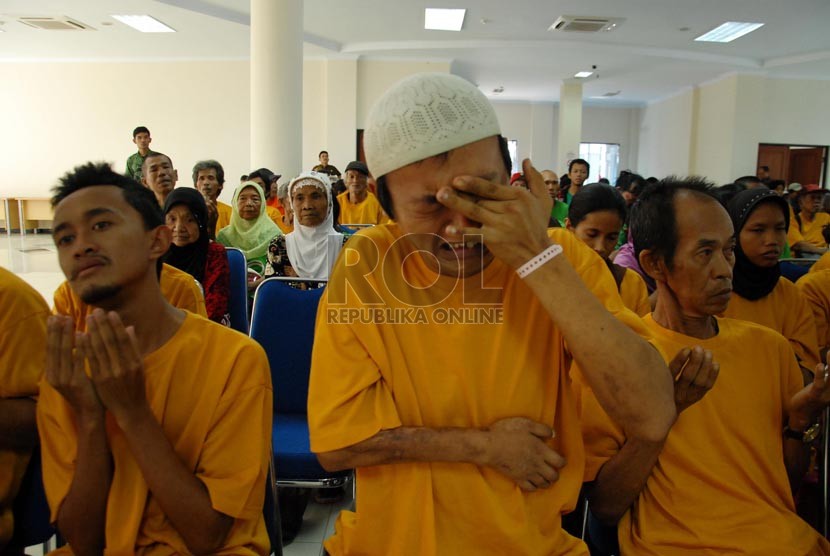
513,149
604,159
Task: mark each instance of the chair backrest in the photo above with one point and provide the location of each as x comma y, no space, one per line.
31,511
282,321
238,297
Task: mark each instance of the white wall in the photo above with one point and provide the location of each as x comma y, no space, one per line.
714,130
795,112
534,126
665,136
55,116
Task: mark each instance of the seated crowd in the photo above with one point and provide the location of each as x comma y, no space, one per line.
639,345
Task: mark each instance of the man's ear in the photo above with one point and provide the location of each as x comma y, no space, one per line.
653,265
161,238
175,176
568,224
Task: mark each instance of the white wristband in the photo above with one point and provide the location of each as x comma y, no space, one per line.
539,260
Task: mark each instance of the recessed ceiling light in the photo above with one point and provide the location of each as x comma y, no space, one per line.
729,31
144,23
583,74
444,19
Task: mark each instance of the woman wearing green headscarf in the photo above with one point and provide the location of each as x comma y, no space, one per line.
250,230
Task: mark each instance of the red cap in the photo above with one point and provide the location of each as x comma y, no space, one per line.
516,176
811,188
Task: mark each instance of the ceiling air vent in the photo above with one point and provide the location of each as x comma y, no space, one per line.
62,23
585,24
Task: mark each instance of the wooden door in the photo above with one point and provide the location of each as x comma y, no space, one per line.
777,157
806,164
361,155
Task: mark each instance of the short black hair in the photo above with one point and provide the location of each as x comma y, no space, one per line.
725,193
748,181
764,168
383,190
595,197
140,129
321,153
209,165
653,220
96,174
579,161
264,174
151,156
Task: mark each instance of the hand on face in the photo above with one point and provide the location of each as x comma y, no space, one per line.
513,219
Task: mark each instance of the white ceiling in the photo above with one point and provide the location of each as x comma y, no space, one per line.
648,57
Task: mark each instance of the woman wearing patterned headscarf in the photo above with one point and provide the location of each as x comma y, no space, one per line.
760,294
250,230
311,249
192,251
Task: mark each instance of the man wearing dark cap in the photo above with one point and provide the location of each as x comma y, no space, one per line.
358,205
142,139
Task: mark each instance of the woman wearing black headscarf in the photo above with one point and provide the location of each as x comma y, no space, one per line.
760,294
192,251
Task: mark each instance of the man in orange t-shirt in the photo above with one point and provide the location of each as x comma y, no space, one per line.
721,481
155,423
23,314
439,368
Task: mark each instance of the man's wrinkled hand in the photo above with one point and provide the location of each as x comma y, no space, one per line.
518,448
695,372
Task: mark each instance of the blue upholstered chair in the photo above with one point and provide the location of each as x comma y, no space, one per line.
238,298
282,321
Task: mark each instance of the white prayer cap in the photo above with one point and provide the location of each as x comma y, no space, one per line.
424,115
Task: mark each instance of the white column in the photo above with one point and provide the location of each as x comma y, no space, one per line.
570,123
277,85
341,111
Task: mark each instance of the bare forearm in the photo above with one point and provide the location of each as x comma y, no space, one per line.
18,427
83,515
628,376
183,498
411,444
807,247
621,480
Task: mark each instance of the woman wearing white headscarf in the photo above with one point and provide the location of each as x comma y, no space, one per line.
312,248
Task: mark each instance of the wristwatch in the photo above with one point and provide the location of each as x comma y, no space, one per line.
806,436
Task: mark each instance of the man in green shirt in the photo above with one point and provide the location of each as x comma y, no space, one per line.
142,139
559,212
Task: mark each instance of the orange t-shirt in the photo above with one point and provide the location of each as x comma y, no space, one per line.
368,211
816,289
812,231
822,264
785,310
224,217
720,485
389,351
179,288
23,314
210,389
793,233
634,293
